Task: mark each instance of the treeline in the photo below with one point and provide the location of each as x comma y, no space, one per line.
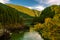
12,18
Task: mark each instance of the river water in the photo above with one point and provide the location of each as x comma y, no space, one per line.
32,36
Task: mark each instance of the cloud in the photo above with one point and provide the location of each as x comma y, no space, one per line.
49,2
4,1
45,3
40,8
29,7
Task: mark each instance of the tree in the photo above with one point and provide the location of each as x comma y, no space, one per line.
49,12
35,20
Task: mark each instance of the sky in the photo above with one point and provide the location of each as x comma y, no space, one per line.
32,4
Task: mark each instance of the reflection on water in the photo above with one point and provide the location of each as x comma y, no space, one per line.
32,36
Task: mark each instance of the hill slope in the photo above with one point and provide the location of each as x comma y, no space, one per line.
22,9
50,12
11,17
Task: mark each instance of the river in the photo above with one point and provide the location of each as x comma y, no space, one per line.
32,36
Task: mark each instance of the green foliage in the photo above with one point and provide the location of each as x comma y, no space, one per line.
50,17
17,36
35,20
49,12
11,18
49,30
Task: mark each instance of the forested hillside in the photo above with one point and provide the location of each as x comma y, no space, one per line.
12,18
49,26
31,12
49,12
